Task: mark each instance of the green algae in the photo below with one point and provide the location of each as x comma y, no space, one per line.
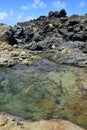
44,90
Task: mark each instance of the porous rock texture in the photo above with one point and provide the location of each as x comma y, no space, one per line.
56,31
11,123
56,24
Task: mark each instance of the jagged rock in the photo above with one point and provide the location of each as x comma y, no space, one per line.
56,24
6,61
46,44
43,33
6,34
71,57
62,13
52,14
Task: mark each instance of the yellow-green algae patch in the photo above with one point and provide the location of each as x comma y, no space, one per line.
45,90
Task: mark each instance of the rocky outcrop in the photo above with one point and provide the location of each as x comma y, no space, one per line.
71,53
8,122
11,55
6,34
56,24
55,31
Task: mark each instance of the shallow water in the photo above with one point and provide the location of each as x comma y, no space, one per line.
45,90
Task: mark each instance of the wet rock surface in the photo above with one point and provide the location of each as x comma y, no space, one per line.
8,122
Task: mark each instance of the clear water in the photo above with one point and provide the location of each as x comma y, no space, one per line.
45,90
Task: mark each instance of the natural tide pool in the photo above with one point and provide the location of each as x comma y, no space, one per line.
45,90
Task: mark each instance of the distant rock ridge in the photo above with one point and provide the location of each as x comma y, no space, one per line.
56,24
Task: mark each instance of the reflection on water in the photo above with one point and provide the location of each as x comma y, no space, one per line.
45,90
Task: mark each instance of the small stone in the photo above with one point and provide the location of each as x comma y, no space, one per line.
15,46
14,53
64,51
51,25
26,62
53,46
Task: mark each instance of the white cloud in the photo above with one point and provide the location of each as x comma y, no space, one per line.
11,12
3,15
59,4
25,8
82,4
29,18
19,18
38,4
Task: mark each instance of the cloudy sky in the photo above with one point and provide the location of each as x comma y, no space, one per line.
13,11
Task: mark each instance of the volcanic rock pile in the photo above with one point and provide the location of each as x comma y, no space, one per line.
56,24
66,35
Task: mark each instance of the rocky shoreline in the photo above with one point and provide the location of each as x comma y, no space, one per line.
58,37
9,56
66,36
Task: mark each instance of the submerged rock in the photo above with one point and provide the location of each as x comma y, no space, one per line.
45,90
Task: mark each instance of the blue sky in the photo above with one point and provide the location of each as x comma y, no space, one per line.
13,11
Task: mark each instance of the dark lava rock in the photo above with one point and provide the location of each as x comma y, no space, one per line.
62,13
56,24
55,31
45,44
72,53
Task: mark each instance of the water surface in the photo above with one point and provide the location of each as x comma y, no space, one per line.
45,90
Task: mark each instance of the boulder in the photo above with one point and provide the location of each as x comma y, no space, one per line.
52,14
62,13
71,57
6,34
7,61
